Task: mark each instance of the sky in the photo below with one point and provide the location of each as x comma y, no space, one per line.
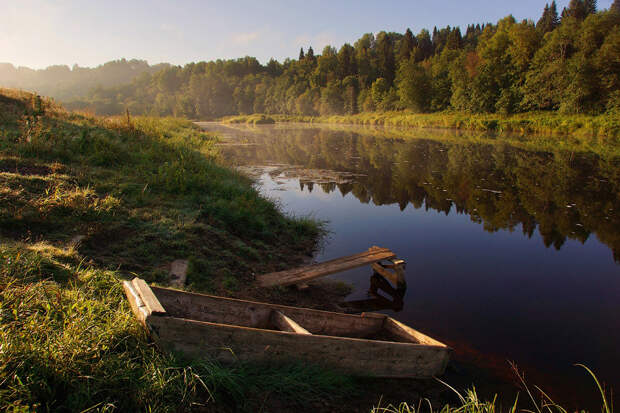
39,33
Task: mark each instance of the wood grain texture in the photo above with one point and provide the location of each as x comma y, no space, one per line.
284,323
202,307
149,299
355,356
303,274
135,302
396,276
407,333
229,329
178,272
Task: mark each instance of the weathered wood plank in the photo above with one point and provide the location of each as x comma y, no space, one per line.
407,333
245,313
148,297
178,272
355,356
396,278
303,274
135,302
283,323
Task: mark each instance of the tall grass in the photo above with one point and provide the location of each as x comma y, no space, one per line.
471,403
139,192
69,342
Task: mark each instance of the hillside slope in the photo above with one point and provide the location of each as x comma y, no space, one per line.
86,202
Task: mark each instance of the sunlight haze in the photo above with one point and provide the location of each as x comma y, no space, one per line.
39,33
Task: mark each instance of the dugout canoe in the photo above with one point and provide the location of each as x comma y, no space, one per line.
227,329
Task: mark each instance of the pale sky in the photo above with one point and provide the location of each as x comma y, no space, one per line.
39,33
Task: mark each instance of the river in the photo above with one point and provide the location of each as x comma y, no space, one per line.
512,254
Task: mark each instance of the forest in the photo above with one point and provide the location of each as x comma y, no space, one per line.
567,61
66,84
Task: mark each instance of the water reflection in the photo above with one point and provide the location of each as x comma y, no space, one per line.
388,286
471,217
562,194
379,288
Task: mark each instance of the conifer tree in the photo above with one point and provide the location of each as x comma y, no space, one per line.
310,54
553,11
454,40
407,43
543,19
301,54
576,9
386,64
425,45
615,6
435,38
549,19
346,61
590,7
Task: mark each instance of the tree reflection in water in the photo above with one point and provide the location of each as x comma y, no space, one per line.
565,195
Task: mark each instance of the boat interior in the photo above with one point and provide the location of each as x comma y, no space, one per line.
242,313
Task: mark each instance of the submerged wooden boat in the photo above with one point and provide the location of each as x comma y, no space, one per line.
228,329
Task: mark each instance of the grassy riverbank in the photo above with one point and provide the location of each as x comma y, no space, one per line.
534,123
86,202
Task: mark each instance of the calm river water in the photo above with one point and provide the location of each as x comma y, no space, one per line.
512,255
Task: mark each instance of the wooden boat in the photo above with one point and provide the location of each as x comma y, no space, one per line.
228,329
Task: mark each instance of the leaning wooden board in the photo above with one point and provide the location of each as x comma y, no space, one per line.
303,274
228,329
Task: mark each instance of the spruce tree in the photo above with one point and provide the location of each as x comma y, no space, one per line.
553,12
542,24
549,19
386,61
615,6
576,9
406,45
435,38
471,36
590,7
310,54
454,40
425,45
301,54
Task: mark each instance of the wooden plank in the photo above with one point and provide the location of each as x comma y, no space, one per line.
203,307
178,272
283,323
356,356
135,302
148,297
303,274
395,264
396,278
407,333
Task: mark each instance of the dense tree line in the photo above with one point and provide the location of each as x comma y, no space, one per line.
568,61
64,83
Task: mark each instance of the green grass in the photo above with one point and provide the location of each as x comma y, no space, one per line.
540,131
471,403
69,342
538,123
604,127
139,192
